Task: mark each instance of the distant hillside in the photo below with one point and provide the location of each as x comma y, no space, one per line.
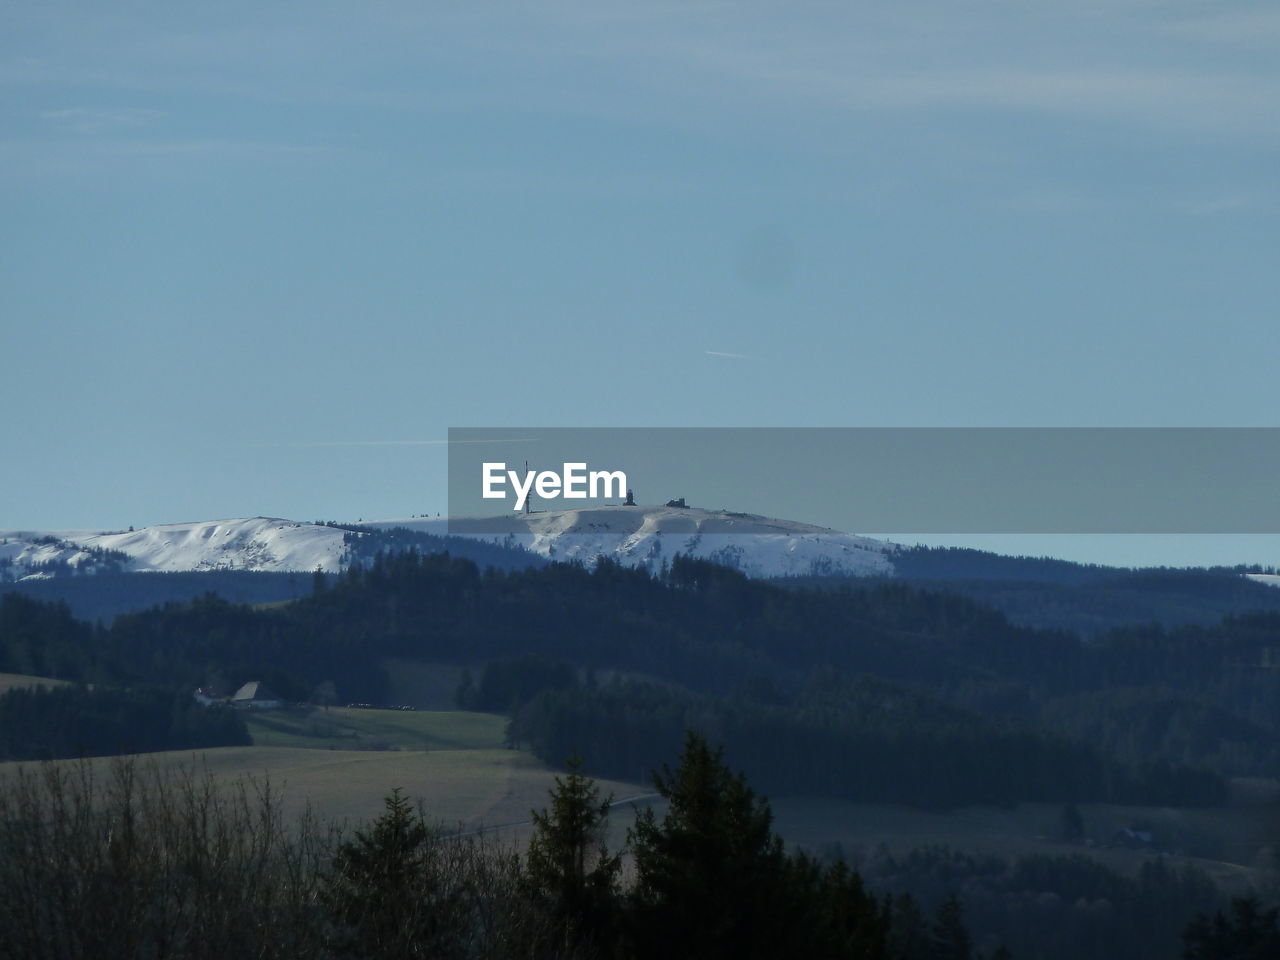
106,596
95,591
1083,598
775,671
266,560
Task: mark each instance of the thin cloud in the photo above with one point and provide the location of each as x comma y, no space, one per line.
392,443
232,149
1001,55
1028,62
720,355
99,120
1255,28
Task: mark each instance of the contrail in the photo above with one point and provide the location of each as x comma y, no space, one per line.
726,356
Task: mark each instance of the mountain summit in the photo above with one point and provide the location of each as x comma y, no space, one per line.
634,536
649,536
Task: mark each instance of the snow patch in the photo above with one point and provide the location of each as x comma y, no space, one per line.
635,536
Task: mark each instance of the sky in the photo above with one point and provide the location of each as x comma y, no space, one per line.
257,258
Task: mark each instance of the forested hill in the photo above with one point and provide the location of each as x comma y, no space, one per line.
1033,591
1084,598
737,653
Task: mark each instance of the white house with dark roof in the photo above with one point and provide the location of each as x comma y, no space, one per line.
254,695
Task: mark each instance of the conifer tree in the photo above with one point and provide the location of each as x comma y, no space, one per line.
1247,933
909,937
385,889
844,919
950,938
1071,823
568,866
712,875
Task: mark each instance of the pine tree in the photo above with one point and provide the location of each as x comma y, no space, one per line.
568,865
845,920
712,875
385,889
465,695
950,938
1071,824
909,936
1247,933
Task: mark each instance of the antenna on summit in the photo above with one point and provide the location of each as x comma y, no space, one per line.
528,500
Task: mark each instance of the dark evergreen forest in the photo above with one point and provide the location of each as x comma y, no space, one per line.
46,723
944,698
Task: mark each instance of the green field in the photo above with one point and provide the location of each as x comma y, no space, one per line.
467,789
344,760
349,728
16,681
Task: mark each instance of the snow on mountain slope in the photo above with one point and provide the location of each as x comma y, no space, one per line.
636,536
256,543
648,536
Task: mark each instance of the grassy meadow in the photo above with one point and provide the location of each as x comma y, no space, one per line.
352,728
17,681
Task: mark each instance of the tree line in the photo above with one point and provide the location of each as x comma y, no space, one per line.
43,723
854,738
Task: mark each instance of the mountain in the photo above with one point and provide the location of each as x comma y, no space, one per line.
650,536
256,544
634,536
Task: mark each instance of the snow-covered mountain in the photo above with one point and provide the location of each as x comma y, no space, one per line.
256,543
649,536
636,536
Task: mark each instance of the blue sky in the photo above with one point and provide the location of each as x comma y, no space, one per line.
244,247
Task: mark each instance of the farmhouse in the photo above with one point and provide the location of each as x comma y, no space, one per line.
254,695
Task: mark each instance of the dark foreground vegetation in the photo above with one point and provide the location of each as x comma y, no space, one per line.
146,865
134,862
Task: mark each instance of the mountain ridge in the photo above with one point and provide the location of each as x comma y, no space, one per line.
638,536
634,536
